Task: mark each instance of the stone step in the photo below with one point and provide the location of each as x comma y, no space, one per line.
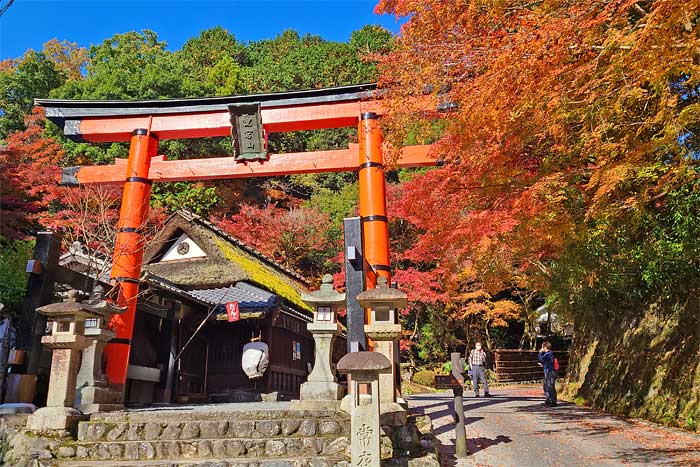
162,429
242,462
215,412
201,449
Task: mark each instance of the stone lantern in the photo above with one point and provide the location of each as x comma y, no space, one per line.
66,340
322,383
93,391
384,330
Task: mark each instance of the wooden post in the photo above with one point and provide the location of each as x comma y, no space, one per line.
460,431
40,289
354,284
128,251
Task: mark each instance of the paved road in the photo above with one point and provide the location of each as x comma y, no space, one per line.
513,429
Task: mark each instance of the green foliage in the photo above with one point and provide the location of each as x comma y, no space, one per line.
641,256
339,203
425,378
371,39
188,195
291,61
13,278
431,345
202,53
224,77
33,77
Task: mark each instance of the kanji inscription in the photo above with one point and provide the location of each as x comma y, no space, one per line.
247,132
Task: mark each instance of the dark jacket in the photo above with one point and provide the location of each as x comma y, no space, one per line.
547,360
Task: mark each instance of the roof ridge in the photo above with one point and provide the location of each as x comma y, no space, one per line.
193,217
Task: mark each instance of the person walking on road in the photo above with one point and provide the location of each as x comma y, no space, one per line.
477,361
546,358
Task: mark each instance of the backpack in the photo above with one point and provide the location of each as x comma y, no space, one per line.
556,364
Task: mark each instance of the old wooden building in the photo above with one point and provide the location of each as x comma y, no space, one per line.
186,347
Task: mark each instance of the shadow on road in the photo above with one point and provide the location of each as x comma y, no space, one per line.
671,457
582,420
479,444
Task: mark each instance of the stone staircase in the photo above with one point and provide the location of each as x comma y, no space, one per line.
222,436
218,435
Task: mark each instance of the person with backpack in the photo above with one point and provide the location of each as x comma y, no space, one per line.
477,361
550,365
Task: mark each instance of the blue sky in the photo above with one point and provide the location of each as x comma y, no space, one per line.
30,23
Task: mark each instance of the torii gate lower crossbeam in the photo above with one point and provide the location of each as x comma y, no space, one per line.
315,109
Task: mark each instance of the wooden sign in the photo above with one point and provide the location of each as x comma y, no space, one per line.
247,132
446,382
232,312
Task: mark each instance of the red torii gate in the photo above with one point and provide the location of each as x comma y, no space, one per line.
144,123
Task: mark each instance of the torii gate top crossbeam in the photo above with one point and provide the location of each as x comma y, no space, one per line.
101,121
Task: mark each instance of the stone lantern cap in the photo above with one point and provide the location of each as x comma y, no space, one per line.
326,295
70,307
363,361
382,296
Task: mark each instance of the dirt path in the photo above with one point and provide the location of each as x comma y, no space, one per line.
513,429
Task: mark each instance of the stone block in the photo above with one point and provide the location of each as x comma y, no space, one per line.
386,448
312,446
319,463
321,391
336,446
54,418
172,431
131,451
290,426
255,448
218,448
151,431
146,451
240,429
204,448
115,450
392,414
134,432
278,463
66,451
118,432
102,452
275,448
188,449
213,430
268,428
295,447
172,449
307,428
190,430
81,452
234,448
328,427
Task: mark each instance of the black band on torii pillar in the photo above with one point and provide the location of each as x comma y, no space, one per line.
366,165
140,180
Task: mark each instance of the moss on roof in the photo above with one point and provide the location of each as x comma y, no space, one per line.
263,275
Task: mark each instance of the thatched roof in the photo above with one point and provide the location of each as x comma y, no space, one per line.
227,261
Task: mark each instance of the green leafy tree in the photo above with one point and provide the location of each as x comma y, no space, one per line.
13,278
34,75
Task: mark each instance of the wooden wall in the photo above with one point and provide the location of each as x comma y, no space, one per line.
521,365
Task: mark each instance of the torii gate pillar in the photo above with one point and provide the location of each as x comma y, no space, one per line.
375,223
128,251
